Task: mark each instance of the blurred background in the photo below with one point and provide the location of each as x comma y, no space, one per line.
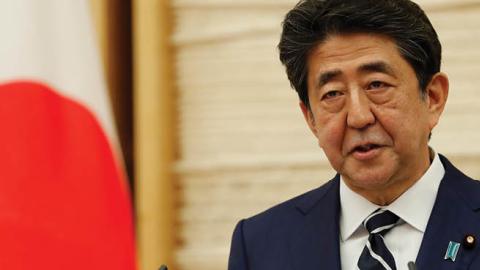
209,129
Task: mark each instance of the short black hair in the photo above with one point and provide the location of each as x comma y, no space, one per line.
311,22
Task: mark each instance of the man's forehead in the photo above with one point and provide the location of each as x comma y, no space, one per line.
376,66
348,46
361,53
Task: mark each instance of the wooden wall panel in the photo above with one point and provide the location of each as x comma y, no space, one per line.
459,128
154,125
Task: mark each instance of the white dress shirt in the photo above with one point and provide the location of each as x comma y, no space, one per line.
413,207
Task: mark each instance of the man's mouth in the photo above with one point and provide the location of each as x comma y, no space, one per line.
365,147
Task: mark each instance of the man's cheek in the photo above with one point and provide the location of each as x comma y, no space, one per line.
331,136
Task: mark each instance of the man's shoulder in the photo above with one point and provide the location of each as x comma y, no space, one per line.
266,238
463,185
460,178
287,213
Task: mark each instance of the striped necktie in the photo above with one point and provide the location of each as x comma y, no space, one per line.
375,254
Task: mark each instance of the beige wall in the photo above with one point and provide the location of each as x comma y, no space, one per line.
243,143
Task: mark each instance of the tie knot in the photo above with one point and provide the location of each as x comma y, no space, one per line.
380,221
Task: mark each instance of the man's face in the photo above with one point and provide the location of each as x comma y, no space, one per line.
368,114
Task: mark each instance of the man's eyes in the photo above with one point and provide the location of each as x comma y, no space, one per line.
374,85
331,94
377,85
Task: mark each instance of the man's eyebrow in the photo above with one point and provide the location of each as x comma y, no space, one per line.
379,66
327,76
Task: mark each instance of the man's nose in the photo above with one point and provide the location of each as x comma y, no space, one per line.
359,113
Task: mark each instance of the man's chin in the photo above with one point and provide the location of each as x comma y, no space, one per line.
368,179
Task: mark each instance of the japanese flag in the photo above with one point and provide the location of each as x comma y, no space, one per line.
64,202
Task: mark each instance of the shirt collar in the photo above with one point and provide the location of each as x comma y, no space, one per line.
355,208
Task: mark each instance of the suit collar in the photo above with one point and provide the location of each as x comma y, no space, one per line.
315,243
309,200
454,216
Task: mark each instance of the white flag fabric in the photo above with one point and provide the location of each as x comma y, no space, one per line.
53,41
64,199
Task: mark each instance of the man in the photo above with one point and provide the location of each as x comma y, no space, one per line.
367,73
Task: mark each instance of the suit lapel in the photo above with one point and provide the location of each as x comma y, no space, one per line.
315,244
454,216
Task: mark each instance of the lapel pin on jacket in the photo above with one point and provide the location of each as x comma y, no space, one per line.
469,241
452,251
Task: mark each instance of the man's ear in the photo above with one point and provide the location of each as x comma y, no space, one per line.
308,115
436,95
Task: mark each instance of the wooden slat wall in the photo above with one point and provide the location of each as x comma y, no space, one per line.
243,143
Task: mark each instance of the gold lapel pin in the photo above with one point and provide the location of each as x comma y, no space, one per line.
469,241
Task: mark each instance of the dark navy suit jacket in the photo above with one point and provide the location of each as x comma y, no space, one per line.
303,233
